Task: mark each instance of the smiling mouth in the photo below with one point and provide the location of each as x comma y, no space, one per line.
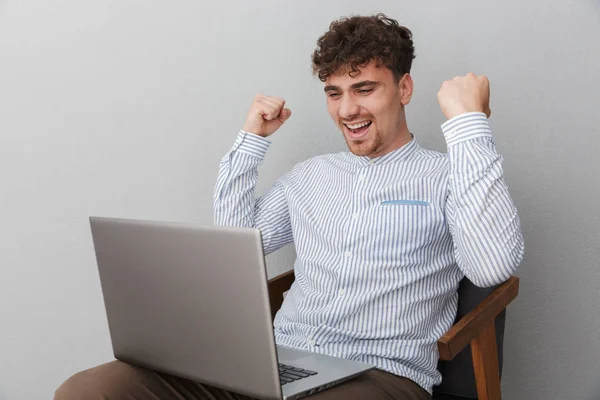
357,130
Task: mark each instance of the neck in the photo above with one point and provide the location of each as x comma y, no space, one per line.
401,138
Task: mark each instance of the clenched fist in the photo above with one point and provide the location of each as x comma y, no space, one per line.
266,115
465,94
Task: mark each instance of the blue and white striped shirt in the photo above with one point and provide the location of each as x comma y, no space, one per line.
381,243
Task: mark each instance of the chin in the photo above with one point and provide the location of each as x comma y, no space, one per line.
365,146
361,149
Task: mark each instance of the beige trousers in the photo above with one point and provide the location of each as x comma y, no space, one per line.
120,381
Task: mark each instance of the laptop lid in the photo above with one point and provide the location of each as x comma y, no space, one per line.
190,300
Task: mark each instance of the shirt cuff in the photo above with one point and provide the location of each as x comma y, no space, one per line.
251,144
465,127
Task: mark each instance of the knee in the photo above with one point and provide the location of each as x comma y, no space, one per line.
113,380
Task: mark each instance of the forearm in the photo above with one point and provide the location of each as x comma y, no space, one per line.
235,203
234,199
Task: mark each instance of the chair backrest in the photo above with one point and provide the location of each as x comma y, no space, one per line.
458,377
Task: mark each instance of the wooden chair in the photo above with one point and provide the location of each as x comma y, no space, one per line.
482,326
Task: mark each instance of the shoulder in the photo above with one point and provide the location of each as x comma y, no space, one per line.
431,161
433,156
322,163
427,154
325,160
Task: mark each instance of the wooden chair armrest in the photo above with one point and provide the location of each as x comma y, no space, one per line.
277,287
476,321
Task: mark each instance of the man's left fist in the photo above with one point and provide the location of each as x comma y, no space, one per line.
465,94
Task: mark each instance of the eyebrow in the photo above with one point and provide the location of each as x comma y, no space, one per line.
355,86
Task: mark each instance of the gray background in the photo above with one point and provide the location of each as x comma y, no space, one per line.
125,107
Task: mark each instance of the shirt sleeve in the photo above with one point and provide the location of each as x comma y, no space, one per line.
234,199
483,220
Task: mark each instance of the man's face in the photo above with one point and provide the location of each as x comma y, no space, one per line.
368,109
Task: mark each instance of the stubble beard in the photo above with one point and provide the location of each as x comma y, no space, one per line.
364,147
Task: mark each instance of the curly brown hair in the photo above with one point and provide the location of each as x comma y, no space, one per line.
352,42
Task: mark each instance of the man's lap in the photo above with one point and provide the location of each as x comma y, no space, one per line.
120,381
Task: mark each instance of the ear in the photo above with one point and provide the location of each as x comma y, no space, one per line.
405,88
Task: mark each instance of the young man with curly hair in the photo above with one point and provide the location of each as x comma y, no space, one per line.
383,233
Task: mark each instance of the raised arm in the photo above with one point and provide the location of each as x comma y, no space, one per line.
234,200
483,220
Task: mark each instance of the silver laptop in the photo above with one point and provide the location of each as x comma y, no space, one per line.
192,301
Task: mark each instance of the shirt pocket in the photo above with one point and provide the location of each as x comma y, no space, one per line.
405,203
402,230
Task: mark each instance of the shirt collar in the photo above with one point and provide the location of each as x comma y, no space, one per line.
393,156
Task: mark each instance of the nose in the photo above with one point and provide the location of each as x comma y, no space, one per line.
348,108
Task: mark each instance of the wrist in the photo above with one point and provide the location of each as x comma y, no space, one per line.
252,144
252,130
466,126
459,111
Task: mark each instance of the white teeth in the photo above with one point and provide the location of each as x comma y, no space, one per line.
359,125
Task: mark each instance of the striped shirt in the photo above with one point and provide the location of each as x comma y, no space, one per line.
381,243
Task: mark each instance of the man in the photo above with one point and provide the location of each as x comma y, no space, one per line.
383,234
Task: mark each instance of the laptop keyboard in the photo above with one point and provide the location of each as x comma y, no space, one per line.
288,374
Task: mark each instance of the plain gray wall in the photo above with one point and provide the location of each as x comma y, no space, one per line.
125,107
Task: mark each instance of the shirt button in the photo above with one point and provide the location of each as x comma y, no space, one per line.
348,254
311,342
361,178
342,292
371,162
355,215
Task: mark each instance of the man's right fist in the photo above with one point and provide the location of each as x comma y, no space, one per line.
266,115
